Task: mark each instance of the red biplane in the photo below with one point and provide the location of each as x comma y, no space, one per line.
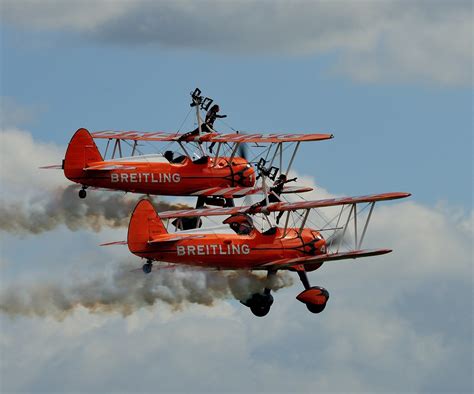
295,248
214,179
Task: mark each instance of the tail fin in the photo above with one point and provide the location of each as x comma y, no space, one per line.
145,224
80,152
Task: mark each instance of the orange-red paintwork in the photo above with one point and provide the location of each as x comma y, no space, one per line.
148,238
84,164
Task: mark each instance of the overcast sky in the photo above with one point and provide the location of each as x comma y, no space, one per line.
391,80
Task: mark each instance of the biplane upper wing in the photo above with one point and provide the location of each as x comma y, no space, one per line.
269,138
237,191
309,261
136,135
212,137
285,206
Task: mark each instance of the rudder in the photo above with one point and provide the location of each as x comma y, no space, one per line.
80,152
145,224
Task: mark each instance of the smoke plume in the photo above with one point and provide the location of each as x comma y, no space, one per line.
125,292
63,206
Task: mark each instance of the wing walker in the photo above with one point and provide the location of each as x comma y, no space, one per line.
251,236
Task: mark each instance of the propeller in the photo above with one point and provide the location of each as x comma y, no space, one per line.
336,239
243,151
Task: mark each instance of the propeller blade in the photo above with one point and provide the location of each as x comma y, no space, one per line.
243,151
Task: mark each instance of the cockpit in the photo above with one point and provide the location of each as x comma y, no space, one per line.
169,155
241,223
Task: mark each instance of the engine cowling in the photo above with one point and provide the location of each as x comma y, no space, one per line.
315,298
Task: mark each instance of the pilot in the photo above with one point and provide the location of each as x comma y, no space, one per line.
274,194
168,155
240,223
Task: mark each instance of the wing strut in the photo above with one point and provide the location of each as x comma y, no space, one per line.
372,205
345,228
293,157
304,221
107,148
184,149
353,214
286,223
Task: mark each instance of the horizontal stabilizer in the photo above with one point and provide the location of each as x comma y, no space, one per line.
114,243
109,167
173,238
52,167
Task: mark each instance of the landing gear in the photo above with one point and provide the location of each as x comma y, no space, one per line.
82,193
260,303
147,267
314,297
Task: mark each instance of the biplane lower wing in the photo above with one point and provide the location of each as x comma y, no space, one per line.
316,260
285,206
236,192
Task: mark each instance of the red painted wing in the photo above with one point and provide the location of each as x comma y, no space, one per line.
286,206
272,138
235,192
314,260
136,135
214,137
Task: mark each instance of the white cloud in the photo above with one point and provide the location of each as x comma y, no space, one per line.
400,322
21,156
372,41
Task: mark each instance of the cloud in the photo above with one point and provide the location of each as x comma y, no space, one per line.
21,156
371,41
395,323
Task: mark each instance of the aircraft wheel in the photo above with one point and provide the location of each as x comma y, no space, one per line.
260,304
316,308
147,267
82,193
260,310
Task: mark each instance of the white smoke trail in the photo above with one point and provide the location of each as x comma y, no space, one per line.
62,206
125,292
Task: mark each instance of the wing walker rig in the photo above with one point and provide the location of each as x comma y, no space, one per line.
250,237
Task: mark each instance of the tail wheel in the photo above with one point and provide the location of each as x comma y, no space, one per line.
147,267
82,193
